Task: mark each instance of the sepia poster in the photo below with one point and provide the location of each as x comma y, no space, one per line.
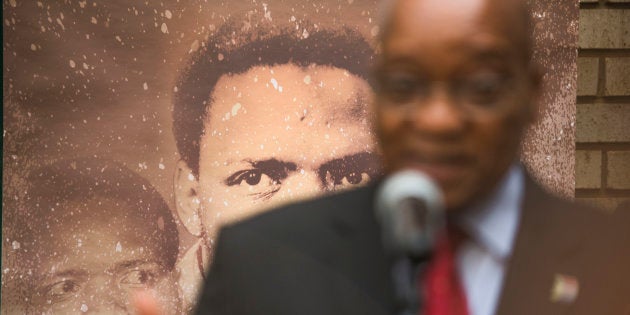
134,129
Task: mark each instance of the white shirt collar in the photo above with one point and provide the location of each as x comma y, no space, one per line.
493,224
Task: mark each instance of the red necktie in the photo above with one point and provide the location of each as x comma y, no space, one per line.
441,288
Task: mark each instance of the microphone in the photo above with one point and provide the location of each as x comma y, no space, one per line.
410,207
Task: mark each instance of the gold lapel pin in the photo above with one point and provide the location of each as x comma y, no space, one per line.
565,289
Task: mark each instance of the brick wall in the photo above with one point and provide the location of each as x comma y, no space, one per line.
602,158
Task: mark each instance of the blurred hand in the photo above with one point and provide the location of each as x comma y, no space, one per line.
146,304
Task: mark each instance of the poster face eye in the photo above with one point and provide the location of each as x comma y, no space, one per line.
261,179
350,171
62,290
142,275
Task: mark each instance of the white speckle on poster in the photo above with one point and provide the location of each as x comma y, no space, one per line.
160,223
118,247
374,31
61,24
164,28
194,46
168,14
72,63
235,109
84,308
267,12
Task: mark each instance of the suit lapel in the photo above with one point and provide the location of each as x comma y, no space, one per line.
541,252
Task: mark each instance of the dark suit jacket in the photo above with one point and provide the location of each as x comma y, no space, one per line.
324,256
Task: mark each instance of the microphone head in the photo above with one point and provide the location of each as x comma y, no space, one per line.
410,207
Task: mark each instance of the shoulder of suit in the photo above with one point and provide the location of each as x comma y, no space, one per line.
575,214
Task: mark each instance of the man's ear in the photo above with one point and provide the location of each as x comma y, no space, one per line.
187,202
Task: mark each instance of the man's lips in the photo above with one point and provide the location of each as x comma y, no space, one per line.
446,169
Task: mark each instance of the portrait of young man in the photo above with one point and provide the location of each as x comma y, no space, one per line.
93,233
265,115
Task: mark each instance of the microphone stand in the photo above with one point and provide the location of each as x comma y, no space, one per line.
406,272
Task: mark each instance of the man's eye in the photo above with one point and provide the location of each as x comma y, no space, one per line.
257,183
252,177
62,290
349,171
483,89
354,178
262,179
138,278
400,87
336,180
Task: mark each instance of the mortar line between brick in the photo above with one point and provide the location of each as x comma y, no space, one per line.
604,52
608,146
601,76
589,6
622,99
604,5
598,193
604,171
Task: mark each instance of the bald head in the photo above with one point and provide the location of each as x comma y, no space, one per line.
437,17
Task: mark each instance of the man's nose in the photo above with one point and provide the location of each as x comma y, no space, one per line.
438,113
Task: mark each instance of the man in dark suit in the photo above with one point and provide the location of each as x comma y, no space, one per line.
456,91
